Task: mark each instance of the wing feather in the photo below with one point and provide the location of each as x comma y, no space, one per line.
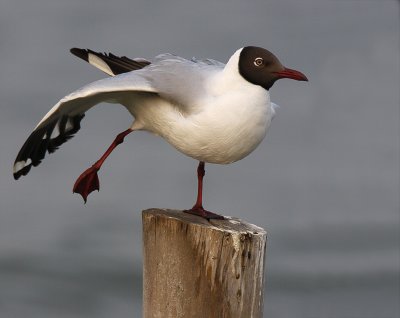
62,122
110,63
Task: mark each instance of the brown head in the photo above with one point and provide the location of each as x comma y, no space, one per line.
260,67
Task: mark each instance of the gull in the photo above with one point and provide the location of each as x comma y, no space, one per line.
210,111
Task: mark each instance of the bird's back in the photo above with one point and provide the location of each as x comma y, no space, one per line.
168,72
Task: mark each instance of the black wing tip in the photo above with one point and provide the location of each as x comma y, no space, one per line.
81,53
117,65
22,172
40,141
84,53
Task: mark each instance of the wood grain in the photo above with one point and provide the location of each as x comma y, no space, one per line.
201,269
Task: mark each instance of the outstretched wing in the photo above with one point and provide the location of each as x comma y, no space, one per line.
63,120
110,63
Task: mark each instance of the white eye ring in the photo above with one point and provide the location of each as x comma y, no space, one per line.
258,61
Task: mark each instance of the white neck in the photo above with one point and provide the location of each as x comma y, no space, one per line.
229,78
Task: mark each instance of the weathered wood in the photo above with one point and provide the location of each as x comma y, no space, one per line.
194,268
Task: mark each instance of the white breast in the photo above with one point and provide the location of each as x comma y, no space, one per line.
228,128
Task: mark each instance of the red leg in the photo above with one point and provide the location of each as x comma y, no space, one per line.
88,181
198,209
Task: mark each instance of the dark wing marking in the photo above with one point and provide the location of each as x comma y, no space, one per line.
62,121
110,63
42,140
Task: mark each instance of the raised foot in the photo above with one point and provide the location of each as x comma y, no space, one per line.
87,182
204,213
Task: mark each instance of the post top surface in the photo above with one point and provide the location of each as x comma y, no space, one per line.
230,224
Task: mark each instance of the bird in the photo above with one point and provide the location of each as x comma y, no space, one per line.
208,110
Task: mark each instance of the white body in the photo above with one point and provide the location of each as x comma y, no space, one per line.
203,108
221,127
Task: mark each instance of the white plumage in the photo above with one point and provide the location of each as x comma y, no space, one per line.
206,111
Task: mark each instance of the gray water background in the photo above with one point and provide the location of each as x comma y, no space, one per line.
324,183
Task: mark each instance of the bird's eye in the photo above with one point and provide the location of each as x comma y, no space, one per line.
258,61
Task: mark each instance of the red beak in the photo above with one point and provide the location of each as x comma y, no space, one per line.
293,74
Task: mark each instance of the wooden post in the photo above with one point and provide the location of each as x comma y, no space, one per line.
194,268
